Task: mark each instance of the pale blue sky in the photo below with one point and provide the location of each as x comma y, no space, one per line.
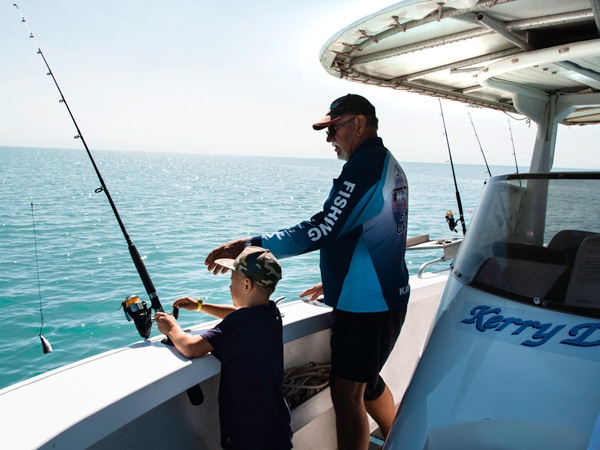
232,77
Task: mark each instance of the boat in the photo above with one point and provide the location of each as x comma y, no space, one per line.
488,357
172,402
513,359
146,395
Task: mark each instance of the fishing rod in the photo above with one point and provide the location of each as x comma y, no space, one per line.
479,143
513,145
449,216
135,310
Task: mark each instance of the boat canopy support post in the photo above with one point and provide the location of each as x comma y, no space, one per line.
545,142
546,108
548,116
541,108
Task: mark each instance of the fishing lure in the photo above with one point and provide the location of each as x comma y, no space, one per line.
45,343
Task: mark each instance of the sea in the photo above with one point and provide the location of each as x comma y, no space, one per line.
65,266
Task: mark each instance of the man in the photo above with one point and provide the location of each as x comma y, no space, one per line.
361,235
248,341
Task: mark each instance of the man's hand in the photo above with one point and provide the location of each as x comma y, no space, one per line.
229,249
315,292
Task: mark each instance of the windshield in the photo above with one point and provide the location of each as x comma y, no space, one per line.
535,238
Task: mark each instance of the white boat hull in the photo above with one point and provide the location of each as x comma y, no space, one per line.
496,383
135,397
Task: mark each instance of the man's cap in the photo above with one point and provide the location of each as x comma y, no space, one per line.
256,263
348,104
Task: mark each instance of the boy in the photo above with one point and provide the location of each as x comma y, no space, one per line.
249,343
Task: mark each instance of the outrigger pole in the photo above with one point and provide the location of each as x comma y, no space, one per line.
134,309
458,201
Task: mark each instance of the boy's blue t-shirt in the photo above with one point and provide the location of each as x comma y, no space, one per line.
252,410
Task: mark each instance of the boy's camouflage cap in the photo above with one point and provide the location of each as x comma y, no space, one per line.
256,263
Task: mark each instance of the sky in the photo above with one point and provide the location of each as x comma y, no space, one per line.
227,76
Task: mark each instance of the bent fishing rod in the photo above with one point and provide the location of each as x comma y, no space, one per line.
449,216
135,310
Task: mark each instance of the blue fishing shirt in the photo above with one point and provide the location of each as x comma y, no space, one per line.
361,234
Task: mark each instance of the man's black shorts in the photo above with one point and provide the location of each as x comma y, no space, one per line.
361,344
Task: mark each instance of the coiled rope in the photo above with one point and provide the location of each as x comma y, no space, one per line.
303,382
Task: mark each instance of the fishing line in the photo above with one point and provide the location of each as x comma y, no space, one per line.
135,310
45,344
449,216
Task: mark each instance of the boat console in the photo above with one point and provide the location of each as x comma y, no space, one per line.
539,241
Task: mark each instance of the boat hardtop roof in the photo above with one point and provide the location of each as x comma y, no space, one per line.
478,52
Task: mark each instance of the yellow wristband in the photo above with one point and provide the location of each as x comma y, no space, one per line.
199,307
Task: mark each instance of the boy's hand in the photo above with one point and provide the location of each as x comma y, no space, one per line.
186,302
165,322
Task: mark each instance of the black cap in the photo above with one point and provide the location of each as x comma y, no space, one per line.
348,104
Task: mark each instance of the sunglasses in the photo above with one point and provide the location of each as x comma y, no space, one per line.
332,130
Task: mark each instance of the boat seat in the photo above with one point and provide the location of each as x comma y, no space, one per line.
531,278
584,285
569,241
489,273
529,252
536,274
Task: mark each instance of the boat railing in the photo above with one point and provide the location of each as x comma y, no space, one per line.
449,247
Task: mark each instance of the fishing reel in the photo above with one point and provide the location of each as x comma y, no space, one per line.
452,223
138,311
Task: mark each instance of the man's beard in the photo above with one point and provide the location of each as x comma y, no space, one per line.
342,154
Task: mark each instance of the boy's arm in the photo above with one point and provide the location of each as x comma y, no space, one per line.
192,304
188,345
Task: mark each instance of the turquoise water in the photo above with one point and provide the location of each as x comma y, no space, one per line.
176,208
